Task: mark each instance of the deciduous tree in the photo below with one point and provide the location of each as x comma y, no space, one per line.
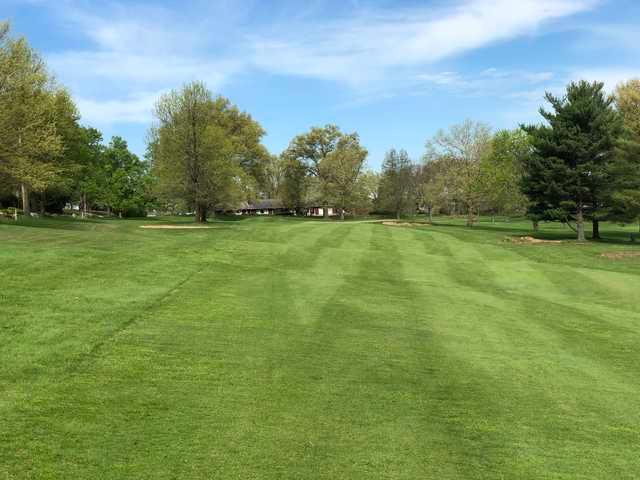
295,183
463,146
341,169
202,148
501,172
397,183
123,183
310,149
29,142
627,96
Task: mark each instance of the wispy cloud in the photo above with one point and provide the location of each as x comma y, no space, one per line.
134,50
135,108
137,49
368,45
611,76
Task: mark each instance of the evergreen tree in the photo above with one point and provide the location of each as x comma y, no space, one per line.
569,174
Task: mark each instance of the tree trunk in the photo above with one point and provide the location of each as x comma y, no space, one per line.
580,225
325,211
536,225
26,207
596,229
201,213
84,205
43,199
470,217
430,210
397,214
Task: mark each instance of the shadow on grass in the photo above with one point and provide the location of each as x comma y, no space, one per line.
609,236
58,223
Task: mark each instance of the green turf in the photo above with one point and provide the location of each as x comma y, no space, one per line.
290,349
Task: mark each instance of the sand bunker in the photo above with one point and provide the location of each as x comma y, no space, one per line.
532,240
620,255
176,227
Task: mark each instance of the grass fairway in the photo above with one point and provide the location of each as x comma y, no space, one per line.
287,349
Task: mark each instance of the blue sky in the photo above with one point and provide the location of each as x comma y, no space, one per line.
394,71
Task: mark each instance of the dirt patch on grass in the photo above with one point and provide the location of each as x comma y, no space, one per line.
528,240
175,227
620,255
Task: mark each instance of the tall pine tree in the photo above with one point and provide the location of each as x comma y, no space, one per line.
569,175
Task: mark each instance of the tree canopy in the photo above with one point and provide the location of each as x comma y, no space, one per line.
202,149
569,174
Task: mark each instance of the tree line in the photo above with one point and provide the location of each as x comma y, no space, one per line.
582,164
47,157
205,155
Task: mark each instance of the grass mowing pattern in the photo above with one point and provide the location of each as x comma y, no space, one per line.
279,348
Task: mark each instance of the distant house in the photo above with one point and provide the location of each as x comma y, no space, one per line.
319,211
274,206
268,206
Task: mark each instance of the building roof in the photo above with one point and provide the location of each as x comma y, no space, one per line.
264,204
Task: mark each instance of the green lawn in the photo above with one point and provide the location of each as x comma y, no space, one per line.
289,349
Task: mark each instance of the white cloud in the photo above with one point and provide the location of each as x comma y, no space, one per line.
149,49
135,50
611,76
360,48
140,69
135,108
489,82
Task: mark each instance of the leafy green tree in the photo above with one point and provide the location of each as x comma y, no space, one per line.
625,175
274,175
625,169
341,169
501,172
569,172
311,149
29,142
123,183
462,149
88,176
366,192
295,184
432,189
397,183
60,189
202,148
627,97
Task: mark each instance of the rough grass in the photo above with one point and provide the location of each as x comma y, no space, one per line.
281,348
